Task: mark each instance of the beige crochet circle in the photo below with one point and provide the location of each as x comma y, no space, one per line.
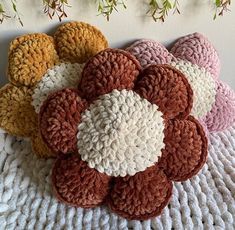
30,59
78,41
17,115
64,75
203,86
121,134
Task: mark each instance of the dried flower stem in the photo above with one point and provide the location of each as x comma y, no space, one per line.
159,9
55,7
106,7
221,7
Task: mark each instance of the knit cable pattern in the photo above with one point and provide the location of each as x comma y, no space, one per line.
26,200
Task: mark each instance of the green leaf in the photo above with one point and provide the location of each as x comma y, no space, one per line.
218,3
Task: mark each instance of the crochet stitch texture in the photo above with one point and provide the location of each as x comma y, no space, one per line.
130,136
119,125
39,64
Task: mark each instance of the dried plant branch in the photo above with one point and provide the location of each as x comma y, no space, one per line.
221,7
55,7
17,14
106,7
3,14
159,9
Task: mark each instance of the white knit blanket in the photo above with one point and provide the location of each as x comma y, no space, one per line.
26,201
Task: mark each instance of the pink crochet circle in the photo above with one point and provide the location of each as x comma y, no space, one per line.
222,114
197,49
149,52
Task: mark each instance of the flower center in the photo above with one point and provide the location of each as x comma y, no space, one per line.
121,134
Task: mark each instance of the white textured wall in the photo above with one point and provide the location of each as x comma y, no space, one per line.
131,24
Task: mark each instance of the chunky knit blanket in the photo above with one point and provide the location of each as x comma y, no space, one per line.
26,200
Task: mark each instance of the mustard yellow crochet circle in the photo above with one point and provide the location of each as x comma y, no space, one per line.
30,60
39,147
78,41
17,115
23,38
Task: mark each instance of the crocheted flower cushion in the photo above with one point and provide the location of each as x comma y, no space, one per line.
39,64
195,56
122,136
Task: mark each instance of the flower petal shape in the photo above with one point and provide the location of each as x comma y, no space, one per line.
168,88
64,75
17,115
76,42
78,185
202,84
59,117
141,196
39,147
29,59
222,114
149,52
185,149
197,49
108,70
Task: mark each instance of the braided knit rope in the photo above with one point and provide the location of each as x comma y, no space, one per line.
26,200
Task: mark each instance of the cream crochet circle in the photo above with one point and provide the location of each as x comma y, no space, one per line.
60,76
203,86
121,134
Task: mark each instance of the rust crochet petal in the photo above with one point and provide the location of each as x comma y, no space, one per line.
141,196
29,59
17,115
39,147
59,117
168,88
78,185
110,69
186,149
78,41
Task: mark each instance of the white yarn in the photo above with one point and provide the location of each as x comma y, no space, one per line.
204,202
203,86
121,134
59,77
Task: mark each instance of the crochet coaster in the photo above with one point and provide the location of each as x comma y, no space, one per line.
121,133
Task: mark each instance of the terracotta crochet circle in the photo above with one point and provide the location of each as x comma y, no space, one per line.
108,70
78,185
39,147
59,117
168,88
78,41
141,196
30,60
186,149
17,115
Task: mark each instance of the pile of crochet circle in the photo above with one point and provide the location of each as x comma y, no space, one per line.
195,56
123,135
38,65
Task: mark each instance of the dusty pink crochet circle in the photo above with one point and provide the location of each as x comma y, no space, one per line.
222,114
197,49
149,52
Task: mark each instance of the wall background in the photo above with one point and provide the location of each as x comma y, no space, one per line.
132,24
